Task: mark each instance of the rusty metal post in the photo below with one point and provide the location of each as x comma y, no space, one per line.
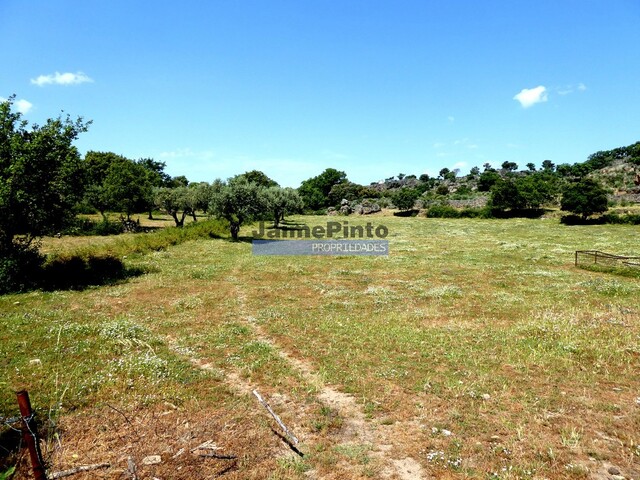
30,435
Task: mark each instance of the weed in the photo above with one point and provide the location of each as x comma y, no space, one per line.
355,451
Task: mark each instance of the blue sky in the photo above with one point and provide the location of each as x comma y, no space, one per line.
291,87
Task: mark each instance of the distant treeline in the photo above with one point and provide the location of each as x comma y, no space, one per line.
45,183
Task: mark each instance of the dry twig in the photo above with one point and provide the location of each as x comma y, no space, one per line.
81,468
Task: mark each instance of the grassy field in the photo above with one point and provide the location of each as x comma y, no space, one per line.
476,349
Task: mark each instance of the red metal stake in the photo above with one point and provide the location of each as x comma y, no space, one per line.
30,435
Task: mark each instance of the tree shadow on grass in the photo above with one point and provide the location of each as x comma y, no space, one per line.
531,213
78,273
289,223
286,229
607,218
241,239
406,213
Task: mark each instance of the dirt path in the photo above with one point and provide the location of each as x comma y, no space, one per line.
356,428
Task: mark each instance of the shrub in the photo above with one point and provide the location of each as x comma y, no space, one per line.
483,212
19,268
447,211
85,226
106,227
611,218
24,268
631,219
76,271
442,211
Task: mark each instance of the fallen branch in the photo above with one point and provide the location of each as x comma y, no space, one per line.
276,417
81,468
218,456
208,445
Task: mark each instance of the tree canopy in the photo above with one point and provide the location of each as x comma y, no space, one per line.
238,201
315,191
259,178
405,198
585,197
127,187
522,193
281,201
40,175
40,182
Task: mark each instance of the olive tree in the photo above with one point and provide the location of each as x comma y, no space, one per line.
173,201
281,201
238,201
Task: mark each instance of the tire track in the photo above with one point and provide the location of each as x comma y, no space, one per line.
356,429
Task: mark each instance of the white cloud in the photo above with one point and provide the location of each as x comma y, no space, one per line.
23,106
581,87
530,96
61,79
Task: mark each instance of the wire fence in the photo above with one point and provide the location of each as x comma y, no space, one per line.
596,257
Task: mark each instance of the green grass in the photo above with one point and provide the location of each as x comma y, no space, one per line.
478,327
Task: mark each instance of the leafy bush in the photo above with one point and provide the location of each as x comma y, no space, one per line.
405,198
19,268
462,193
76,272
447,211
483,212
24,268
85,226
106,227
442,211
631,219
612,218
384,202
166,237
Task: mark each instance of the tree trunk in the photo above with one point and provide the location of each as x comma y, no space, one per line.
184,214
235,229
193,215
277,217
174,215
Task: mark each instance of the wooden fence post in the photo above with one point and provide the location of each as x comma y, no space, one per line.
30,435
